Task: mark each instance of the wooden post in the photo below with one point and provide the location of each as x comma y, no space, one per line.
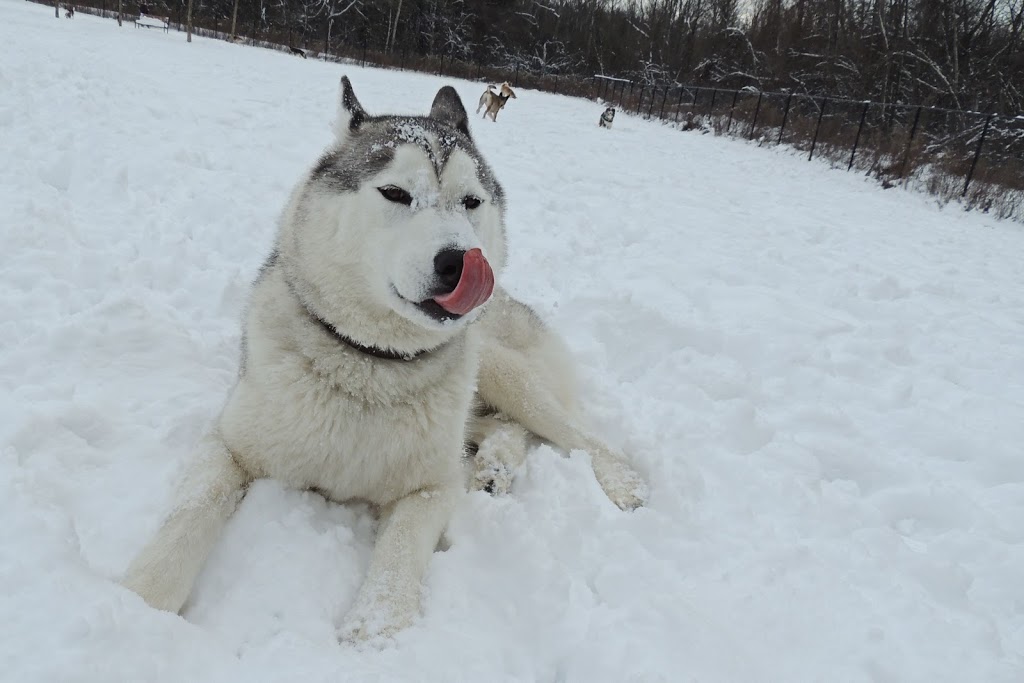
732,109
977,154
856,140
785,115
679,104
814,142
757,110
910,141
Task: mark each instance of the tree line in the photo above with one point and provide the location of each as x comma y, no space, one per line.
961,54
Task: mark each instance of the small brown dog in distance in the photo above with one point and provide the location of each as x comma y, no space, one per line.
494,101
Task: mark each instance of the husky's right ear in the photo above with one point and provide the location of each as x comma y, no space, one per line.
447,108
350,112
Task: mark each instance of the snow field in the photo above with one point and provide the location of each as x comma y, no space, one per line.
822,381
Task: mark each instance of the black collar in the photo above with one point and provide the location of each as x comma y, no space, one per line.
375,351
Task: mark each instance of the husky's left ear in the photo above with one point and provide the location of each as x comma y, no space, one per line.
350,112
447,108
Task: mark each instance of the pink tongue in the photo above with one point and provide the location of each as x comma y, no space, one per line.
474,288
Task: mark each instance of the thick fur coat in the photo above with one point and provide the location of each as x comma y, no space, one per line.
376,344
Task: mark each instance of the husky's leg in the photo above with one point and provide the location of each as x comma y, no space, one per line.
509,382
163,573
409,530
501,448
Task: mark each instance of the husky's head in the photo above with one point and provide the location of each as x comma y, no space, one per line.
609,113
395,236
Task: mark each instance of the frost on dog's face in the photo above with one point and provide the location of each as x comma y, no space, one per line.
413,196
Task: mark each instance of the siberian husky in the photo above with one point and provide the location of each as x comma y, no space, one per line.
606,118
376,344
495,101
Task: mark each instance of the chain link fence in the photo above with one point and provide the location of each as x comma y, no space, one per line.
973,157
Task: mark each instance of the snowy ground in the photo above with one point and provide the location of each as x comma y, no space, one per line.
823,382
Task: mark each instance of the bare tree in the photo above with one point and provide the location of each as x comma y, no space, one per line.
234,16
392,30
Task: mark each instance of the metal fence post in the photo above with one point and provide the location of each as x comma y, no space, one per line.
640,99
516,79
785,115
664,99
977,153
735,96
679,104
910,139
711,107
757,109
814,142
856,140
654,97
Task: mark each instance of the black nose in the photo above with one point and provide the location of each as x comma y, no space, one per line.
448,266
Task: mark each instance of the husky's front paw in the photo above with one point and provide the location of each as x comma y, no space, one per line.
495,479
156,585
375,622
622,484
500,453
366,630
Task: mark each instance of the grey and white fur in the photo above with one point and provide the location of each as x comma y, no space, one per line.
356,382
607,117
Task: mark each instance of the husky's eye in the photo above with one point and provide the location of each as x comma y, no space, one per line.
471,202
395,194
